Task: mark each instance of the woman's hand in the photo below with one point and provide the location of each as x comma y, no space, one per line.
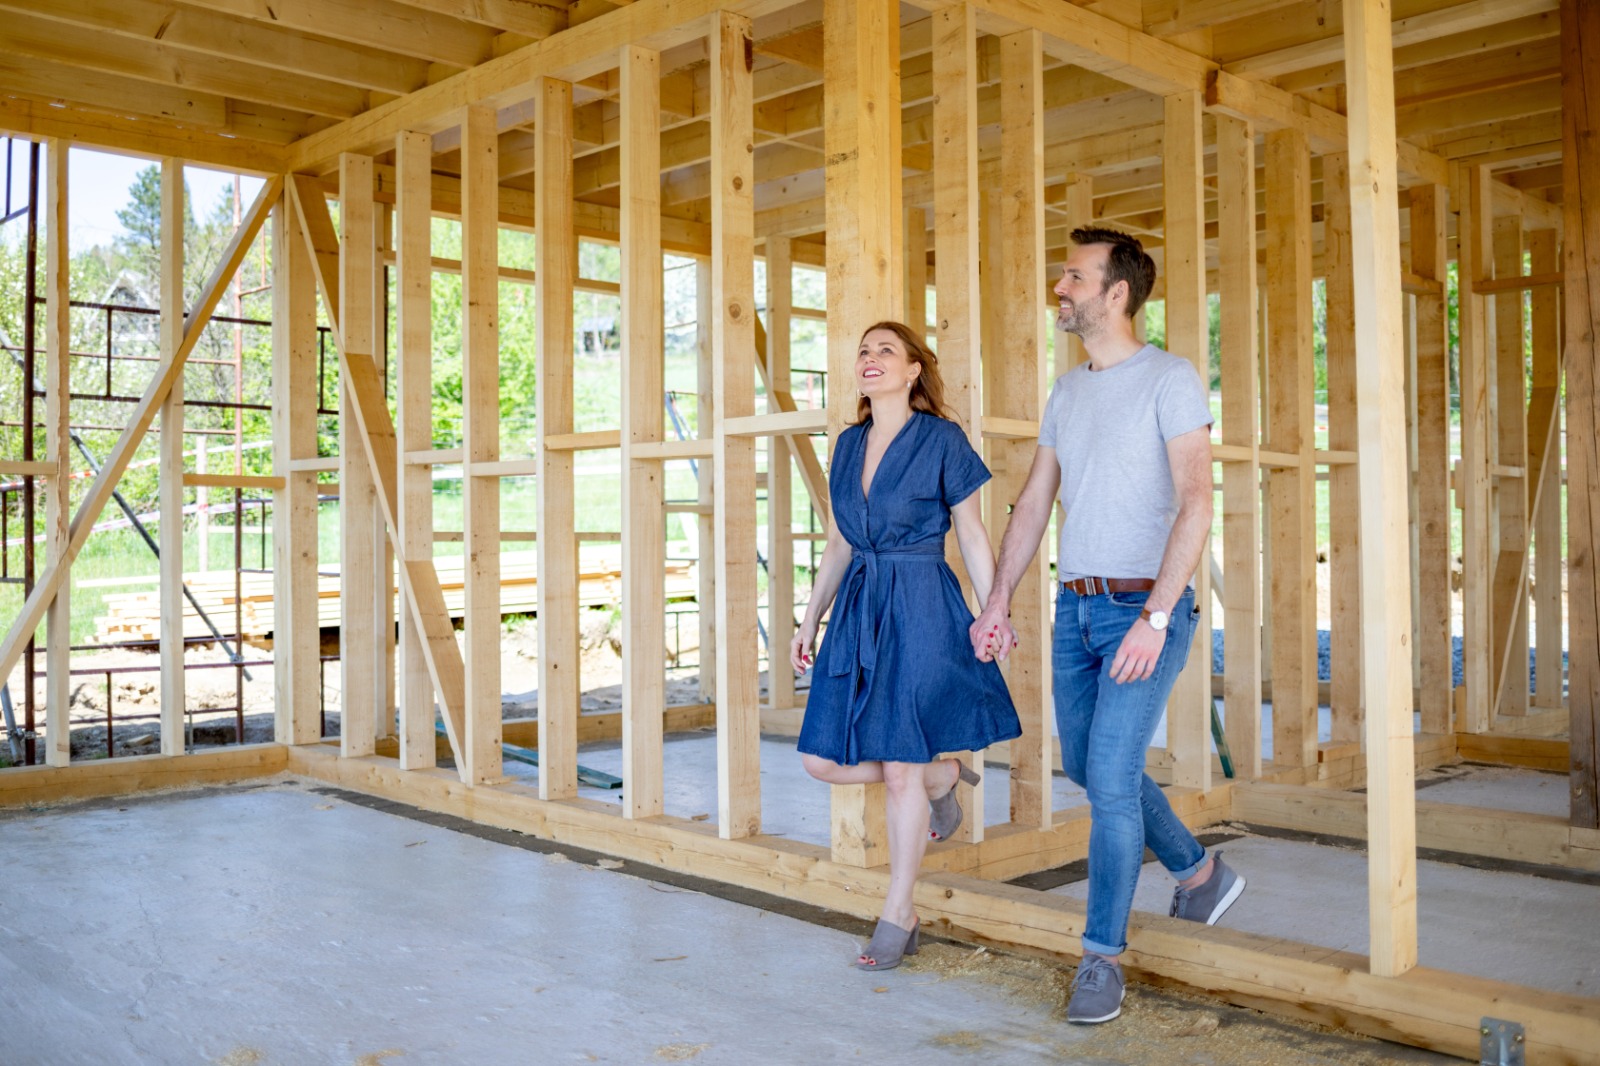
800,648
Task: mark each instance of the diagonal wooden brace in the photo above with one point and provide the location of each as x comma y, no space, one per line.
54,577
371,411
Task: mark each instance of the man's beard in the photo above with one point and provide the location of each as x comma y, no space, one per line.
1077,320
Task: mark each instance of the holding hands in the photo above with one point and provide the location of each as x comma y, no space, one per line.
991,634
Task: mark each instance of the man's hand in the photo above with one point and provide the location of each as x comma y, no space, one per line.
1138,652
991,634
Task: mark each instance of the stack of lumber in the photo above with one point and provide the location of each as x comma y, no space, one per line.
136,615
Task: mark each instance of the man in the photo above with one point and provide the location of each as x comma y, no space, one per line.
1126,440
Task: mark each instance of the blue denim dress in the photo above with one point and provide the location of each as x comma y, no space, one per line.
895,678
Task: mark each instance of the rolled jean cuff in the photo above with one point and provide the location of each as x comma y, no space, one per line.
1189,871
1103,949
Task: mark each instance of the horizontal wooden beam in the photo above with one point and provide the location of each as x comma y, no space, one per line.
596,441
43,786
18,468
804,421
1512,836
233,481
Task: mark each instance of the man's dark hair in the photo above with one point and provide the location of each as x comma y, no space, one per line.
1127,261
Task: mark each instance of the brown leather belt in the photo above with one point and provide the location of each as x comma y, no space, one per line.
1099,586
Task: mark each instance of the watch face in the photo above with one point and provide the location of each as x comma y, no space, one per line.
1158,619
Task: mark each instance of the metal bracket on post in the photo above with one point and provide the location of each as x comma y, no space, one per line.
1501,1043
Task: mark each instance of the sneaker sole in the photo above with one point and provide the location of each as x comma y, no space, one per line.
1103,1017
1226,901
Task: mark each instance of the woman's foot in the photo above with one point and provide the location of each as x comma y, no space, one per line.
945,816
890,943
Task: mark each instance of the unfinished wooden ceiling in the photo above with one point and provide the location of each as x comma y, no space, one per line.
1476,80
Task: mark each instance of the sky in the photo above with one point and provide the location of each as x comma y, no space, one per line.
97,188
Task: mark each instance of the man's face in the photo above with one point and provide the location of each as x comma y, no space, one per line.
1082,290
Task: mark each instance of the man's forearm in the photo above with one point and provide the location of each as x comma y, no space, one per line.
1184,545
1023,534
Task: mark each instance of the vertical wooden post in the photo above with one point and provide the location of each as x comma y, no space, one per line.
1472,488
733,340
173,681
555,268
57,419
1580,156
480,396
706,408
1292,492
1381,435
1188,334
384,589
413,163
1544,437
1241,479
780,479
956,201
1344,491
1509,666
643,499
916,299
1429,254
1017,391
1080,212
360,647
861,58
297,643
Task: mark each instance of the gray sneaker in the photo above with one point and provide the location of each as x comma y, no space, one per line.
1096,991
1208,902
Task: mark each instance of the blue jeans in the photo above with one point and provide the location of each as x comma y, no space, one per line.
1105,729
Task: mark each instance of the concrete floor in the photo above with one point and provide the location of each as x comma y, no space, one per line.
285,924
1463,925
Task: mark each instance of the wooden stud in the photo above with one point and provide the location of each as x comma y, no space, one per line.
1292,493
1544,471
1509,665
480,388
861,56
956,200
916,298
1080,212
644,543
1385,610
57,569
360,647
1241,489
1015,387
732,347
173,687
384,590
1183,177
780,479
413,230
1473,486
1580,264
58,442
296,648
556,258
1344,495
1433,625
705,406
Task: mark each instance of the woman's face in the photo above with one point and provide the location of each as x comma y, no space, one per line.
882,366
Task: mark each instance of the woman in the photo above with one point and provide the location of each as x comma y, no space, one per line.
896,682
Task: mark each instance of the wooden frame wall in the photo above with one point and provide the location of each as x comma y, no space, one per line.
877,246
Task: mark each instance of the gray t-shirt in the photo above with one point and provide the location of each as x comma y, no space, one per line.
1110,429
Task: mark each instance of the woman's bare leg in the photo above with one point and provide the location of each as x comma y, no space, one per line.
910,787
865,773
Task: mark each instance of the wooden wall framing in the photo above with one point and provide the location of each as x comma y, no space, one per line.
572,136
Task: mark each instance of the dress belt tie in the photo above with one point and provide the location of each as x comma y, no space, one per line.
859,655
